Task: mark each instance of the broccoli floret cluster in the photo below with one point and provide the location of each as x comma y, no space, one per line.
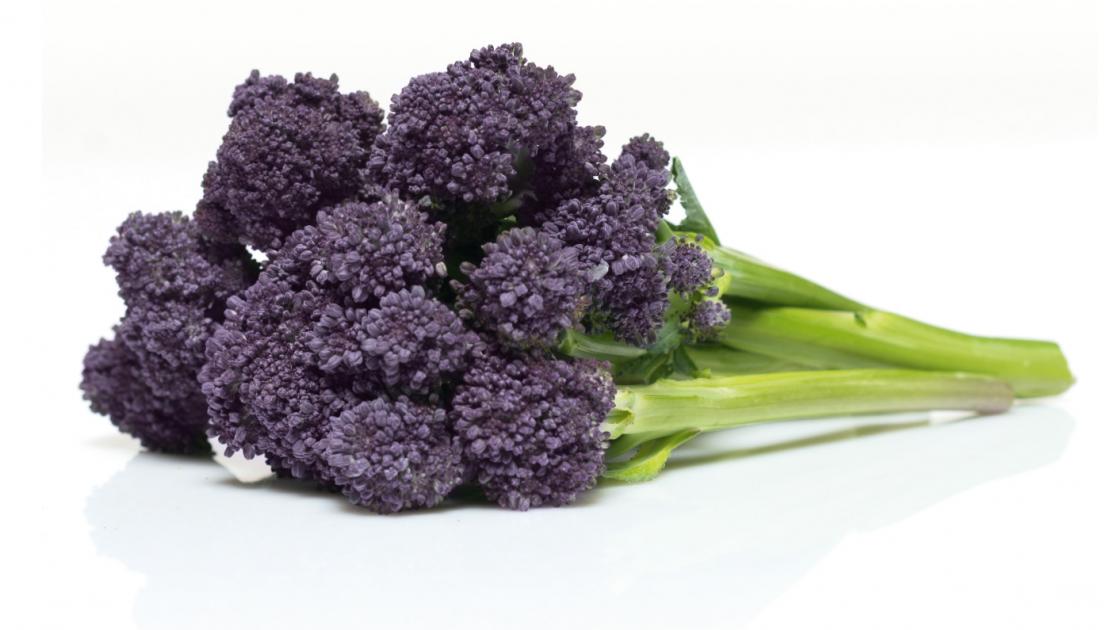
174,283
351,389
291,149
295,343
614,228
528,289
707,319
391,454
467,135
403,335
531,426
686,265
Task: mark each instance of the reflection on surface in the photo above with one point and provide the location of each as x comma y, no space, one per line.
726,537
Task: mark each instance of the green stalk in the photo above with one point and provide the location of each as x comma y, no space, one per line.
867,339
602,347
720,360
668,407
755,280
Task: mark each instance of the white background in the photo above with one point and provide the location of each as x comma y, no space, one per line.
954,160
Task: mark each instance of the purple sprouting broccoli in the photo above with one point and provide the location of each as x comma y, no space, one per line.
496,135
291,149
620,217
365,250
316,360
615,226
169,341
391,357
411,342
566,169
390,455
265,395
531,426
116,385
686,265
356,358
647,150
174,283
633,298
485,130
528,289
707,319
414,343
165,257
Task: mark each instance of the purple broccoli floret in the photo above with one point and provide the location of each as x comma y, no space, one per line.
639,189
531,427
633,299
265,395
291,149
527,290
174,283
390,455
115,385
567,169
615,226
707,319
648,150
165,257
333,339
411,342
686,265
312,360
169,341
365,250
619,218
464,135
353,357
414,342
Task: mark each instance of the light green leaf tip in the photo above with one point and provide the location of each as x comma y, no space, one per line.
650,458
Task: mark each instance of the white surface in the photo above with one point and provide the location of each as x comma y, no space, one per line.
957,161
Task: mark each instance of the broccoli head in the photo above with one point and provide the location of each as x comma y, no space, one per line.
174,283
391,454
531,426
485,129
339,347
528,289
291,149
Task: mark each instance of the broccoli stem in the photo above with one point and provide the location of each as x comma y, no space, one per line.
786,317
755,280
871,338
720,360
602,347
648,412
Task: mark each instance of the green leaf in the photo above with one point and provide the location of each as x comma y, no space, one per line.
644,370
696,220
650,459
685,366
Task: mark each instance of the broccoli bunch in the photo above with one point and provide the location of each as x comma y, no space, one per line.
401,339
459,295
